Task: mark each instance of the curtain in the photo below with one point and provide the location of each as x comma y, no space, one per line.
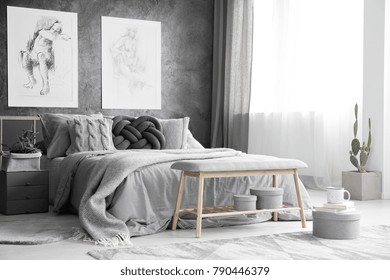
232,62
307,77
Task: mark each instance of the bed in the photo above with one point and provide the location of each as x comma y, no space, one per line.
119,194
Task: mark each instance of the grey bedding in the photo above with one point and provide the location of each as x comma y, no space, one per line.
144,199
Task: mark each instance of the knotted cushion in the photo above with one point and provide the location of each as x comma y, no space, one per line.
144,132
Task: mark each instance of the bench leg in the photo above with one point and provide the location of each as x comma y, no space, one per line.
274,185
297,190
200,206
178,201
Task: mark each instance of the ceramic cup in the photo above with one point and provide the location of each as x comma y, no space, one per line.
336,195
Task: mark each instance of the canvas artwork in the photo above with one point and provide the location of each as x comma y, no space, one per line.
42,58
131,64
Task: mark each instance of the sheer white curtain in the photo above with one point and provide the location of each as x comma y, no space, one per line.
306,78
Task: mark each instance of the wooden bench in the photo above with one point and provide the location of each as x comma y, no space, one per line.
249,165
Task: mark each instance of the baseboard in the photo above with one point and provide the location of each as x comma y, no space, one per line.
385,196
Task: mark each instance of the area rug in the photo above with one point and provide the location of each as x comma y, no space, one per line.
373,243
34,229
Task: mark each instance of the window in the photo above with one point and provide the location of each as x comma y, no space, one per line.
307,55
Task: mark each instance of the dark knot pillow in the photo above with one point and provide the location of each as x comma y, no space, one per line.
137,133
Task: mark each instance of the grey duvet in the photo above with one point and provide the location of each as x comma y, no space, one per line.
130,193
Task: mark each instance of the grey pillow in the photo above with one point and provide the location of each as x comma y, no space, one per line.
175,132
56,133
87,134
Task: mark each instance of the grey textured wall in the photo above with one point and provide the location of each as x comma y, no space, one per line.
186,38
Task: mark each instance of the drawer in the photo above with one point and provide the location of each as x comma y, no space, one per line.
28,178
26,206
27,192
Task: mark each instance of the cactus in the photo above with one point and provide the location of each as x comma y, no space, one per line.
356,148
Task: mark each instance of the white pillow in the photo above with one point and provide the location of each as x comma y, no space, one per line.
192,143
175,132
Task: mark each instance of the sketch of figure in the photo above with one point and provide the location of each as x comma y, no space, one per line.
127,60
40,52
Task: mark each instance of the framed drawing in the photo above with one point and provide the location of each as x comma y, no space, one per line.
42,58
131,64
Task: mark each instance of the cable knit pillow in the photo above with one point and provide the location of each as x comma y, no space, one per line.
90,135
56,132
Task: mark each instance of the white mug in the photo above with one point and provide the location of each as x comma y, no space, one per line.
336,195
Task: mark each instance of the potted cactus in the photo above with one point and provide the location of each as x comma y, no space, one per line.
361,184
23,155
356,148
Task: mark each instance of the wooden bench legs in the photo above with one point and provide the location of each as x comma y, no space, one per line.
199,213
200,206
178,201
199,210
299,198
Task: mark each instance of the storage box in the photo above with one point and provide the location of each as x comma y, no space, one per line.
245,202
268,198
21,162
336,225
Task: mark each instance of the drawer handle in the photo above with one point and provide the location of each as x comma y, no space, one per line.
28,184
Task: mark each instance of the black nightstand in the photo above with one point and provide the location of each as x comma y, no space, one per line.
24,192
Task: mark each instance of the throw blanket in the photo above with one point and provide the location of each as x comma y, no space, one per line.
109,172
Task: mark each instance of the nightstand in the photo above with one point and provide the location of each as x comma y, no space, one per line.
24,192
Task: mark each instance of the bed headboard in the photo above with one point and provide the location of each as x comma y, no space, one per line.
11,126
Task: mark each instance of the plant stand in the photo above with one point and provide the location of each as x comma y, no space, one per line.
362,186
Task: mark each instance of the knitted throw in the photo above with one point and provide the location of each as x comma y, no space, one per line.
109,172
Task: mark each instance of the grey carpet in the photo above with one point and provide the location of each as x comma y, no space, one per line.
34,229
373,243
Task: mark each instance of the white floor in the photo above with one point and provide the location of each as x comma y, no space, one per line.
374,212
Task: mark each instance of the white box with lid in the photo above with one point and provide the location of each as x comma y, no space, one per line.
345,225
268,198
244,202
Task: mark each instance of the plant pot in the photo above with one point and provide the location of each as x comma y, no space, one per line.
21,162
362,186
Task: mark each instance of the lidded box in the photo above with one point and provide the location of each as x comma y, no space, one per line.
336,225
268,198
244,202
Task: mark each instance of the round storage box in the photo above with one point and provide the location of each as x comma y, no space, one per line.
268,198
244,202
336,225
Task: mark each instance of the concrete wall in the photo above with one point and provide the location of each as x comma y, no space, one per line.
186,60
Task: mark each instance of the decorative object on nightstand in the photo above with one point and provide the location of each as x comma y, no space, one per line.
361,184
23,155
24,192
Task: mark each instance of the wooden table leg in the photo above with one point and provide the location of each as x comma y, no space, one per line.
178,201
274,185
297,190
200,206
